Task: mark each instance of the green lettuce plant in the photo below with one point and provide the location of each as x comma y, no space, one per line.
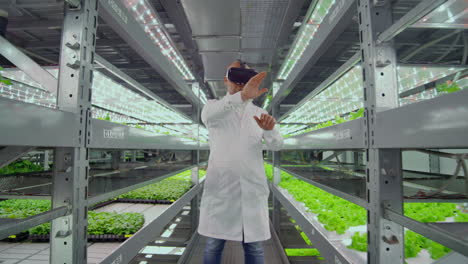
3,80
21,166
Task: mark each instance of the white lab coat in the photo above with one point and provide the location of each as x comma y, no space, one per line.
235,195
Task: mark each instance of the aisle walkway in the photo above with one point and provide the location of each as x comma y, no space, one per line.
234,253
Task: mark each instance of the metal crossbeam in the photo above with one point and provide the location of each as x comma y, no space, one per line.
39,126
19,225
28,66
108,135
410,18
131,247
12,153
348,135
456,238
425,126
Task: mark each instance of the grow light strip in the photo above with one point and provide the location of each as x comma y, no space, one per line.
267,102
107,94
410,77
144,14
199,92
345,94
305,36
25,93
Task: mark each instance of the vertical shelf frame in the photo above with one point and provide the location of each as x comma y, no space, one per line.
383,183
68,237
276,158
194,203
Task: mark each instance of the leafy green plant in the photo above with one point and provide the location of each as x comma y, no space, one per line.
168,189
338,215
359,242
98,222
3,80
430,212
300,252
461,217
447,87
358,114
101,223
21,166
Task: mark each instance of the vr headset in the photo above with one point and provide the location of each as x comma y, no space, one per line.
240,75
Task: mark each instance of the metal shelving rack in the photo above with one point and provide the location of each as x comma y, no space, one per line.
72,132
419,126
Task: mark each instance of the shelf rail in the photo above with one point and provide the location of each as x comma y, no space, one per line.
452,235
414,15
131,247
102,197
19,225
330,249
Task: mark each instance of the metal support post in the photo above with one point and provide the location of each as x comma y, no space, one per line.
134,156
384,186
194,203
46,160
123,154
356,160
434,163
116,158
68,237
276,178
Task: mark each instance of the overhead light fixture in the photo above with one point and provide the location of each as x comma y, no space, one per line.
307,32
144,14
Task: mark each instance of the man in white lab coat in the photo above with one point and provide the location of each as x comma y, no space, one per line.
234,205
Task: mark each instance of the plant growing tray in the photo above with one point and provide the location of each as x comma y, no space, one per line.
91,238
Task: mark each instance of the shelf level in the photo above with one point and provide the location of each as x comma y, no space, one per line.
348,135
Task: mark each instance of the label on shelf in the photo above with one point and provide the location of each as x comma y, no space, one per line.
108,133
343,134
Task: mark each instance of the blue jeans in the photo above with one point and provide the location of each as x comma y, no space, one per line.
253,252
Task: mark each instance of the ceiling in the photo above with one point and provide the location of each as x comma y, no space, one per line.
35,26
210,34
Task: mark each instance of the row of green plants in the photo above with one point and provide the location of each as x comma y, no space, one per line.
338,120
414,242
302,252
338,215
99,223
447,87
20,166
169,189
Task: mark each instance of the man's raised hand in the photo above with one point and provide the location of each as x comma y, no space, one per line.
267,122
251,90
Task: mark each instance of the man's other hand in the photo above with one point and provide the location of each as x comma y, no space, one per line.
267,122
250,90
